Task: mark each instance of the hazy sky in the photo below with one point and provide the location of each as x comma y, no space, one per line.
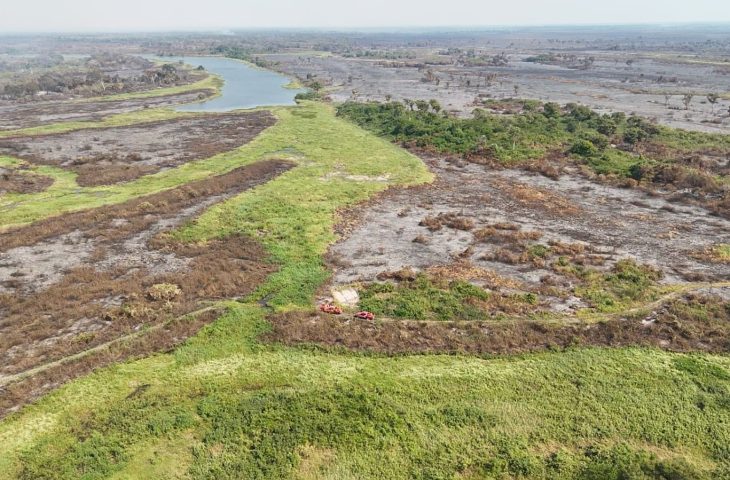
119,15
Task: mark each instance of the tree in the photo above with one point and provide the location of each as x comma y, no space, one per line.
687,99
551,110
479,113
422,105
713,98
169,69
435,105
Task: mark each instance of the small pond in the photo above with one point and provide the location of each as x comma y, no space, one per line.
245,86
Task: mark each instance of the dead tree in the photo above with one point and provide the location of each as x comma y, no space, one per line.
687,99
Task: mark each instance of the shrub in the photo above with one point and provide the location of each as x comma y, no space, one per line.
584,148
163,291
551,110
311,95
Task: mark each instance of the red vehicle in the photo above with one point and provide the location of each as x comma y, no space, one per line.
330,308
365,315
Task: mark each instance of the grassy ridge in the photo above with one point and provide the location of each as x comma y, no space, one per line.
227,406
65,195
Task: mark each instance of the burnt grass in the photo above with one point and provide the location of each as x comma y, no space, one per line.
105,295
32,114
690,323
14,182
101,156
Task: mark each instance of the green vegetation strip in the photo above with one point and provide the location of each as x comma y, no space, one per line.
225,406
533,132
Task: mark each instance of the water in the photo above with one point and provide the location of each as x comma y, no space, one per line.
245,86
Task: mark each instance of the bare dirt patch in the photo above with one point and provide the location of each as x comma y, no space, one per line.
110,155
77,281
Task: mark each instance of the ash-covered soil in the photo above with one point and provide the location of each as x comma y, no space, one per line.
103,156
609,84
496,219
76,281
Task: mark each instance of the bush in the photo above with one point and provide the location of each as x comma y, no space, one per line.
551,110
606,125
311,95
580,113
584,148
163,291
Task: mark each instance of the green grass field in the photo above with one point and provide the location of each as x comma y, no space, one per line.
227,405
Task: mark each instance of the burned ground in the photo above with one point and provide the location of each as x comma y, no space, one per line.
695,322
104,156
14,181
55,77
511,212
32,114
25,389
629,78
540,246
76,281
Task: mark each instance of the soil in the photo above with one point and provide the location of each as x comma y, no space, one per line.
101,156
77,281
490,218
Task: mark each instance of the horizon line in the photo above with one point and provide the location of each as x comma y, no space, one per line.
374,28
